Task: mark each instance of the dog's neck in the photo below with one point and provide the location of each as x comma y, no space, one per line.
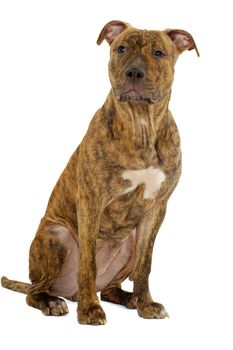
138,122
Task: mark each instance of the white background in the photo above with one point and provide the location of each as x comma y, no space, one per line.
53,77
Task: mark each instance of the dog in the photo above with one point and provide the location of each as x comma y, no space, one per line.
106,209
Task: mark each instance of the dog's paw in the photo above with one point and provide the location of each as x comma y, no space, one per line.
152,310
94,315
54,307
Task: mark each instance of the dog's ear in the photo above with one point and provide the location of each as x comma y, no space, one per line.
182,39
111,30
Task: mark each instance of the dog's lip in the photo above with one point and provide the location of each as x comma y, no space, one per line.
130,92
134,93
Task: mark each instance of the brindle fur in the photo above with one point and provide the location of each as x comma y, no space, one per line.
89,217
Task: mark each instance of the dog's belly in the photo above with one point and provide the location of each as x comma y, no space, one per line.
112,256
115,245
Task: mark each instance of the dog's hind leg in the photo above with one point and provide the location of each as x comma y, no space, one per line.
117,295
49,253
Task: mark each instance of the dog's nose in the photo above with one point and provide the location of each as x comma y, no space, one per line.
134,73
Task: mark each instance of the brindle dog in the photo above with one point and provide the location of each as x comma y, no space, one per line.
108,204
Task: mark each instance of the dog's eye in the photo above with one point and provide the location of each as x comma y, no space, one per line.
121,49
158,53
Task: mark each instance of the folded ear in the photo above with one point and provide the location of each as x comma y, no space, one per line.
111,30
182,39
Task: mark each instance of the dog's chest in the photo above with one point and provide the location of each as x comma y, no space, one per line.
138,194
151,177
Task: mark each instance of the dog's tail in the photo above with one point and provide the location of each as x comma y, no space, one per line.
16,286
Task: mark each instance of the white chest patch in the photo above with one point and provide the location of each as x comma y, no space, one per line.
151,177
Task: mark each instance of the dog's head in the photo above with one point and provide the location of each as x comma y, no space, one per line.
141,66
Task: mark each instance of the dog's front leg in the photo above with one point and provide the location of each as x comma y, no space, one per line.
89,309
145,236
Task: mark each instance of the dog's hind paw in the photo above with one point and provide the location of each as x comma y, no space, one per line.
55,307
49,305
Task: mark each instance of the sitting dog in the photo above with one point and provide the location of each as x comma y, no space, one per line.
108,204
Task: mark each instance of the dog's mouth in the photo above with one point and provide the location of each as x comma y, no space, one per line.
135,96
